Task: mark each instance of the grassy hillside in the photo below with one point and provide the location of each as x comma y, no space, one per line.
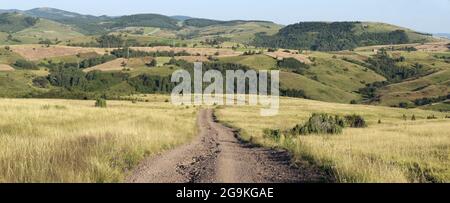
328,79
235,31
198,22
85,24
14,22
19,83
376,27
142,20
257,62
330,70
46,30
435,82
7,56
393,151
332,77
314,89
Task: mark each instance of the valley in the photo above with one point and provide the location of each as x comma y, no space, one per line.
86,98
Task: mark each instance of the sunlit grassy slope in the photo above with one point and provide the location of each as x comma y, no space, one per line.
258,62
72,141
44,29
393,151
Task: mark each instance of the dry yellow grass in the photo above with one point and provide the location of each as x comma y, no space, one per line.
4,67
393,151
38,52
193,59
72,141
118,64
280,54
193,51
439,46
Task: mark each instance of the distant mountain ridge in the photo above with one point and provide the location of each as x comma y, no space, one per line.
90,24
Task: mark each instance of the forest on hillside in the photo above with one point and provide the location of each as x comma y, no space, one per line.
321,36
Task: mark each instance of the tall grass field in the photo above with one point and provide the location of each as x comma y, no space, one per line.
73,141
391,149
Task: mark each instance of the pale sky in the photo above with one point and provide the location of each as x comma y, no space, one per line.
431,16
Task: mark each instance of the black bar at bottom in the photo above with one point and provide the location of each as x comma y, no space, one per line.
208,192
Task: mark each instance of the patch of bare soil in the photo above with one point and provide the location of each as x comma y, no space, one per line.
39,52
193,51
4,67
280,54
119,64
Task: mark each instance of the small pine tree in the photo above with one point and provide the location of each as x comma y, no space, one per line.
413,118
379,121
404,117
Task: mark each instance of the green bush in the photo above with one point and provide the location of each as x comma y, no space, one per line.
328,124
272,134
320,124
355,121
24,64
100,102
293,64
41,82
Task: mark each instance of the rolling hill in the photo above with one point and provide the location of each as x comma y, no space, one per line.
234,31
383,64
86,24
14,22
334,36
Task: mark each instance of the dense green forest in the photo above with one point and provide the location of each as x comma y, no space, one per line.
323,36
198,22
143,20
73,83
293,65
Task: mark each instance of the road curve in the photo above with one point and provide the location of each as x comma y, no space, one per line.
218,156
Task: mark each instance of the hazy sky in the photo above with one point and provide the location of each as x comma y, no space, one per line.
422,15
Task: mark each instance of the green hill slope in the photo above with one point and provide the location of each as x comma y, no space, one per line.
46,29
42,30
235,31
314,89
14,22
86,24
142,20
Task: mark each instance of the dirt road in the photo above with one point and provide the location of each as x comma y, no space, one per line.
218,156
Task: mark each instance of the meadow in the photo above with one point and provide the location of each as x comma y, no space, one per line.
72,141
391,149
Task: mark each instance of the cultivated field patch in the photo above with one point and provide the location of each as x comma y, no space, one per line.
4,67
39,52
